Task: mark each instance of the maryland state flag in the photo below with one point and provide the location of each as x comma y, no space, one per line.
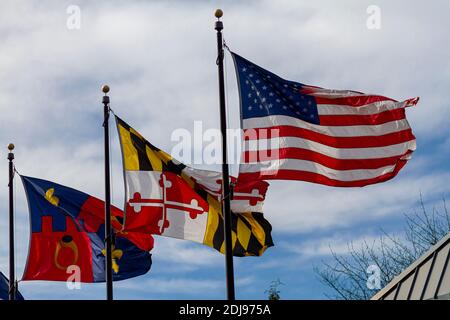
67,230
167,198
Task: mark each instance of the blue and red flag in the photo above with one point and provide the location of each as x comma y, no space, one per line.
67,230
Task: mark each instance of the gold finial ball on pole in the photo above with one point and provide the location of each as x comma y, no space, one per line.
11,146
218,13
105,89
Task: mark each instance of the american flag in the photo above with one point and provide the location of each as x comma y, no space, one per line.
339,138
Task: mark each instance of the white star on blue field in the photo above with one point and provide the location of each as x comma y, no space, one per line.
159,59
267,94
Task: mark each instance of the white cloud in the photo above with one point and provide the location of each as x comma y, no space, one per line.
307,207
184,253
39,290
321,247
184,285
176,285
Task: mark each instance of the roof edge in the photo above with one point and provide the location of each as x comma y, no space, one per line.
391,285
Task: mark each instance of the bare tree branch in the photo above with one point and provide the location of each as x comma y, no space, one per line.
347,275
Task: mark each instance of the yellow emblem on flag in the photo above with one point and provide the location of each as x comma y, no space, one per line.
50,197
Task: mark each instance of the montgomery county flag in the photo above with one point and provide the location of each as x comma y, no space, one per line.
68,233
338,138
168,198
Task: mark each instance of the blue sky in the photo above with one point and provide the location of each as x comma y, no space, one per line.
159,59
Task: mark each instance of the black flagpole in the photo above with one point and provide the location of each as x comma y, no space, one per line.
225,170
108,231
12,276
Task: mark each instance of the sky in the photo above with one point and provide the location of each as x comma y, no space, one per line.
159,57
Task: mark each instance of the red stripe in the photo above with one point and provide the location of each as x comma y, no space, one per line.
335,142
368,119
332,163
352,101
318,178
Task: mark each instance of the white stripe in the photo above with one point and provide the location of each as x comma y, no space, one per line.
333,131
274,144
333,93
371,108
309,166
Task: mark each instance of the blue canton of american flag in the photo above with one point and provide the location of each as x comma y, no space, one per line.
264,93
340,138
